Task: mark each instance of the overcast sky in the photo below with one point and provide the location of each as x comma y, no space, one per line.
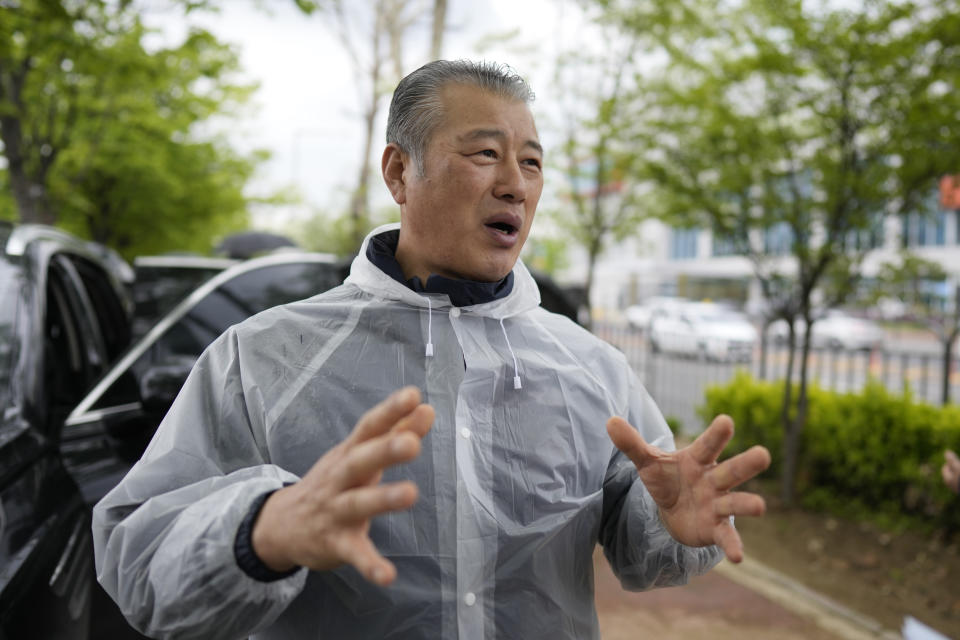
306,111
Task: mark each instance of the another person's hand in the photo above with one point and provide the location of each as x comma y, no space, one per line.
951,471
322,521
691,489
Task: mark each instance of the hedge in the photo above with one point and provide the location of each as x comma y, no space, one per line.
870,454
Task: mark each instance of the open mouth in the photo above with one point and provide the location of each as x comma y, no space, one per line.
503,227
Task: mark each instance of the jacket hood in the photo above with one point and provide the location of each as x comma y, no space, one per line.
525,295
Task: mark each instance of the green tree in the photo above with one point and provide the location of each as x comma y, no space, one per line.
103,136
546,254
328,232
790,129
932,299
597,157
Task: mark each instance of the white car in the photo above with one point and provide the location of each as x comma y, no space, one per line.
639,315
704,330
836,330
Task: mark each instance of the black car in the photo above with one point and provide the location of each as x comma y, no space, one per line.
80,402
109,428
64,319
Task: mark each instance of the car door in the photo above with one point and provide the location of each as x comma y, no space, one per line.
46,551
110,428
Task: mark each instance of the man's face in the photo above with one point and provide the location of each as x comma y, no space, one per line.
469,214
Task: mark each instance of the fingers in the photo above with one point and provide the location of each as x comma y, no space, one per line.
740,468
952,459
707,447
739,504
367,459
365,502
385,415
364,557
418,421
629,440
727,538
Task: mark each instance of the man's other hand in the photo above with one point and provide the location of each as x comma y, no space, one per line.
691,489
322,521
951,471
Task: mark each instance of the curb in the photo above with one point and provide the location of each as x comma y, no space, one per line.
790,594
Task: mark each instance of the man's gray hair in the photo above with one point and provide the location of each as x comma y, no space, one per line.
416,108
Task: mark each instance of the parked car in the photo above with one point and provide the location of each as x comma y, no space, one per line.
65,317
704,330
835,329
640,315
109,428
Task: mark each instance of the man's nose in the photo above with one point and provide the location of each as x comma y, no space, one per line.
511,184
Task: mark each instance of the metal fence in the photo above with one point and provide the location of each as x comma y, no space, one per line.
678,384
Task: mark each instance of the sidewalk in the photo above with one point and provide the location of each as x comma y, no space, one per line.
733,602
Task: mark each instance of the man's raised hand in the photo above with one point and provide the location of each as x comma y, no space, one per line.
691,489
323,520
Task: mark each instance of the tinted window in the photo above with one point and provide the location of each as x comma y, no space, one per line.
70,362
158,289
242,297
232,302
109,309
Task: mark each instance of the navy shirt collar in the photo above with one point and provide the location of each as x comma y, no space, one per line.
382,249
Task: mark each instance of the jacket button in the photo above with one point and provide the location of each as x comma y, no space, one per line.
464,433
454,313
469,599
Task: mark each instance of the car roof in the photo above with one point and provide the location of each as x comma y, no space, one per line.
20,237
183,262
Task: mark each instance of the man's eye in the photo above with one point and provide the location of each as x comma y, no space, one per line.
490,153
532,162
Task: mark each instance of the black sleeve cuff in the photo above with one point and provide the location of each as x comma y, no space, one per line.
247,559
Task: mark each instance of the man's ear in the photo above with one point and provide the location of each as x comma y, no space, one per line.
393,164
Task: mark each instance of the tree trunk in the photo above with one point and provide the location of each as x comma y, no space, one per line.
764,345
789,445
592,254
795,424
29,192
359,202
439,26
947,366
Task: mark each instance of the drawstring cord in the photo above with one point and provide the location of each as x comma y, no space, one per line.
516,370
429,327
429,350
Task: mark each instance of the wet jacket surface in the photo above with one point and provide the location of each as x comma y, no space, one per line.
517,485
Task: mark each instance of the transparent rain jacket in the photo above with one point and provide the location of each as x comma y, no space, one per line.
517,485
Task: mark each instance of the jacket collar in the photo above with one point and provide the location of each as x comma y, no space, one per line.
382,250
523,296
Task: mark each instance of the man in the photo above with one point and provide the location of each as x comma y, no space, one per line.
471,515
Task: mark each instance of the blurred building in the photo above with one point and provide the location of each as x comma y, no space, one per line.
692,263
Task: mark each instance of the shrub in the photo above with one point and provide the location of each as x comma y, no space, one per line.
675,424
873,453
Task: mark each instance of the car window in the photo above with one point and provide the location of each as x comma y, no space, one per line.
111,316
69,363
233,301
242,297
158,289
